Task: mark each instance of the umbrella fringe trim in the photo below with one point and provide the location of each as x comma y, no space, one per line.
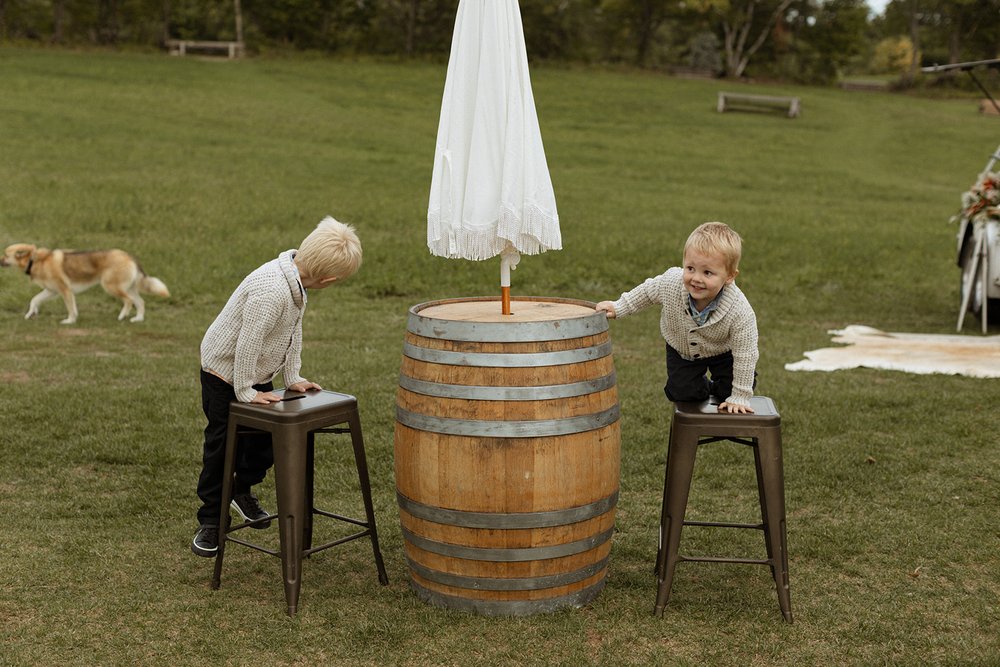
533,233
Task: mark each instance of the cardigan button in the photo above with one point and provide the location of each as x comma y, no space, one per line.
697,356
694,343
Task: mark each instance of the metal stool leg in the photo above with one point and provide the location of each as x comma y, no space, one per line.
762,499
677,485
289,472
773,504
361,462
310,505
227,495
659,569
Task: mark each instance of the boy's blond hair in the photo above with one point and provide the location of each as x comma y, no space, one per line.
717,238
332,250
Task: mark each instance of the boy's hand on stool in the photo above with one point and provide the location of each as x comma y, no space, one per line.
265,398
735,408
606,307
305,385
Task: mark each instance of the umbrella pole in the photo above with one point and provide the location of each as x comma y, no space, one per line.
508,261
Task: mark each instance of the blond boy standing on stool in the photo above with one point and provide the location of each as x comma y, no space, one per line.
707,322
257,335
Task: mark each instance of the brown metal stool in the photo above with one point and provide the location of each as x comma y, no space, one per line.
697,424
293,424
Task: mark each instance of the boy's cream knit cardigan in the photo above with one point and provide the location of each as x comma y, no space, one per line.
731,326
259,331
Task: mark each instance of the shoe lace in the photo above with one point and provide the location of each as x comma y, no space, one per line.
209,534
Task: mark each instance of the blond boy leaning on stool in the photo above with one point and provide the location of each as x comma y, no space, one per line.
707,323
257,335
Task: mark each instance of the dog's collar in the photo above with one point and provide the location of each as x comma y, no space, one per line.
27,269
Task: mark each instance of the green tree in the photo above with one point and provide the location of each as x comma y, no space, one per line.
564,30
199,19
892,55
640,22
944,30
746,26
839,31
410,27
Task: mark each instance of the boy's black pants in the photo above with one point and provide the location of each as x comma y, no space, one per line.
254,455
687,380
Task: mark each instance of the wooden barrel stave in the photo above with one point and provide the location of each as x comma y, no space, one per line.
440,470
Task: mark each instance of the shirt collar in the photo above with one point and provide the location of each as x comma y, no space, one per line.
287,262
700,317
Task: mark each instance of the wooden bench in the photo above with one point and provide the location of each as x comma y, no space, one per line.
729,101
181,47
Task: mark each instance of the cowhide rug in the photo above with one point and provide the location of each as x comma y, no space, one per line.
975,356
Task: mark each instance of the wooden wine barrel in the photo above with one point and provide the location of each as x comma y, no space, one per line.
507,453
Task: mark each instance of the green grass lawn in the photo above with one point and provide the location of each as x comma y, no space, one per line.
204,170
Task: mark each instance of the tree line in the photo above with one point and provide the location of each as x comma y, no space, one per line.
799,40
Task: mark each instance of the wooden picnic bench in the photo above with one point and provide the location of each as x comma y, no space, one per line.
728,101
181,47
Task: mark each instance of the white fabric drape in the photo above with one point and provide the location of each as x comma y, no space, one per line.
490,184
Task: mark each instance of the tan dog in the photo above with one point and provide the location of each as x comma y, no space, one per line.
66,272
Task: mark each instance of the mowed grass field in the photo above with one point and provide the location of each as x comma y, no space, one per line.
204,170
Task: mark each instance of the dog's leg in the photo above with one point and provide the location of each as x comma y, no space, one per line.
70,300
130,297
113,286
38,300
140,305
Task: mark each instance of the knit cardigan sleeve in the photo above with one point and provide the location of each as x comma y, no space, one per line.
743,339
651,291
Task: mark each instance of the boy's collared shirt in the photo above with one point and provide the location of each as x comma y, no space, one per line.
298,277
700,317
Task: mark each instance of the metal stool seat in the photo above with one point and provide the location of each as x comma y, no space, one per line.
697,424
293,424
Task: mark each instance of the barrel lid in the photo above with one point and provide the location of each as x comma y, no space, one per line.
480,319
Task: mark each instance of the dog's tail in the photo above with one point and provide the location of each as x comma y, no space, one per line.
152,285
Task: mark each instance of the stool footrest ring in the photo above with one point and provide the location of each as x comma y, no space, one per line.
721,524
718,559
338,517
342,540
270,552
707,440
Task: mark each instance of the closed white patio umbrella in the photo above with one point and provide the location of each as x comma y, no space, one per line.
491,193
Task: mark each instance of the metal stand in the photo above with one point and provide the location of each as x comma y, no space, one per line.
968,69
979,260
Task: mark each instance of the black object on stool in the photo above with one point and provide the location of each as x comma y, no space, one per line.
697,424
293,424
